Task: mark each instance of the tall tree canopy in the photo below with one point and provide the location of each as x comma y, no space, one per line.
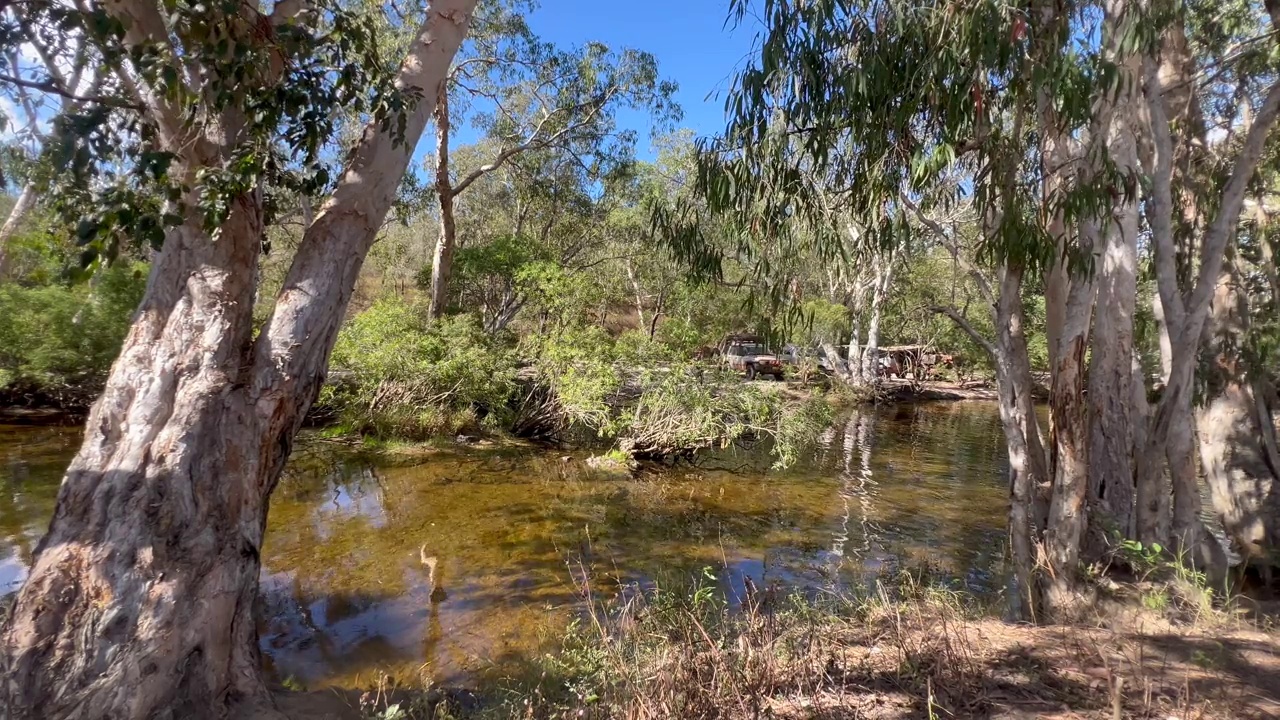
1042,118
140,600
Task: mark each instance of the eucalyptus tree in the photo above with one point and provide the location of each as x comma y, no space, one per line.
139,602
541,219
1063,119
862,287
41,87
884,101
524,94
657,283
1213,96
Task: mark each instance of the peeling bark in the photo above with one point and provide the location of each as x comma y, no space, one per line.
1237,434
139,601
442,261
1111,477
1067,510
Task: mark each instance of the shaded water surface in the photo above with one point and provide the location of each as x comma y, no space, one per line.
448,566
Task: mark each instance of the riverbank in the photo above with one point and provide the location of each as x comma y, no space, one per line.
927,654
673,429
347,597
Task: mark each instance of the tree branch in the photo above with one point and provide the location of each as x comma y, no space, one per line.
285,11
1214,248
292,350
533,140
53,89
984,287
1160,206
145,27
969,330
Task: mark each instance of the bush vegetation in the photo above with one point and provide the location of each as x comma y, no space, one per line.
58,340
399,375
650,401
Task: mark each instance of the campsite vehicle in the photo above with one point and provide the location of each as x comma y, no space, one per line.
750,354
918,362
794,354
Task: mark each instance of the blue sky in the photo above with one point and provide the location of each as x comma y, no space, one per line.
689,38
693,46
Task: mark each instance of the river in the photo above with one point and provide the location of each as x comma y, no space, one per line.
517,535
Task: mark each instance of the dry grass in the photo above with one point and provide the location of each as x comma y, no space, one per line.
908,652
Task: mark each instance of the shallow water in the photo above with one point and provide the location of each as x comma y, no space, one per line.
518,534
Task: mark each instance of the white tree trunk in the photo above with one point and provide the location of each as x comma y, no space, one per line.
1067,510
21,208
838,366
1027,461
1169,102
1111,476
140,601
1185,531
639,294
884,267
855,345
442,260
1238,435
1069,300
1022,436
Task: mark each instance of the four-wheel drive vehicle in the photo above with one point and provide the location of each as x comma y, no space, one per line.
749,354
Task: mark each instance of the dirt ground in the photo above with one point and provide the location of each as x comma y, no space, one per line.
915,667
1008,672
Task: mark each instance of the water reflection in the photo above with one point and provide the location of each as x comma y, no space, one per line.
31,464
449,566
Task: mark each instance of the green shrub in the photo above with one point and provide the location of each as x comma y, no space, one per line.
578,363
399,375
686,409
62,339
635,348
630,390
683,336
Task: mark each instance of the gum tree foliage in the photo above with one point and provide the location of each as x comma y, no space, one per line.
140,598
106,167
525,95
872,108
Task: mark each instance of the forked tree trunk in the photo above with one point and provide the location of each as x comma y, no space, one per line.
1186,532
442,261
1171,103
21,208
139,602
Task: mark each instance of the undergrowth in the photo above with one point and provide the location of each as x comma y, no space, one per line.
643,397
57,341
400,375
901,647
